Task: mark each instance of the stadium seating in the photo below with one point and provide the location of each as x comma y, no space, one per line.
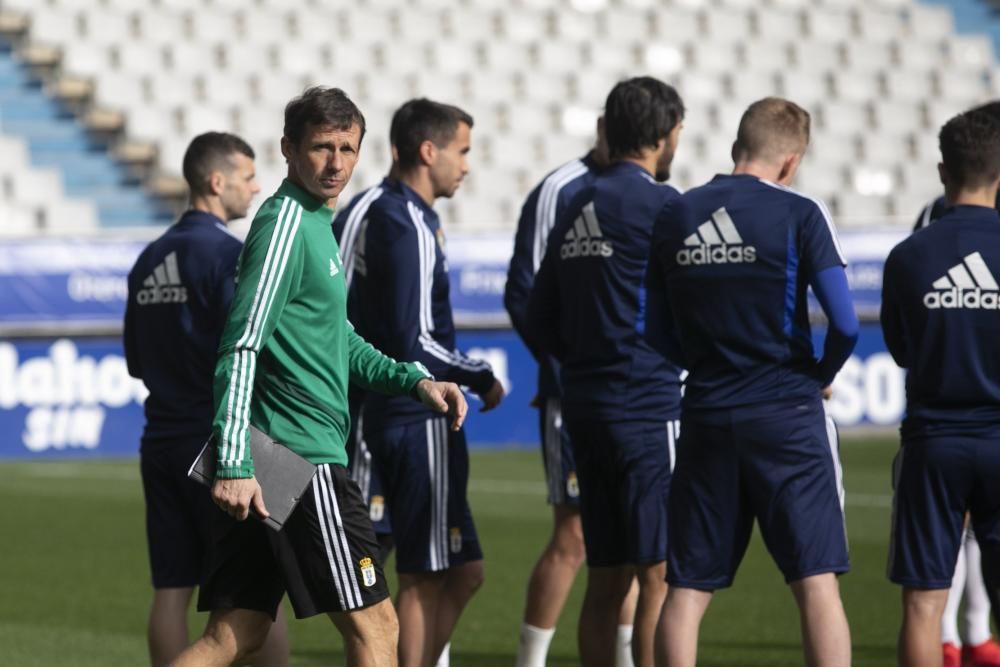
54,176
879,77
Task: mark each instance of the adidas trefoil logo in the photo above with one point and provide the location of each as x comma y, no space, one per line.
164,285
969,284
585,239
716,242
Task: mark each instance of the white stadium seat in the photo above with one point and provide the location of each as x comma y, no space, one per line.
895,118
853,86
779,24
909,86
865,56
19,220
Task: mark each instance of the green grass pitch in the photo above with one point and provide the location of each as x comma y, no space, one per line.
75,583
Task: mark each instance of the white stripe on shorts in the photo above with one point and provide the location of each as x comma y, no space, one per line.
433,543
341,565
442,431
833,439
673,433
323,513
552,441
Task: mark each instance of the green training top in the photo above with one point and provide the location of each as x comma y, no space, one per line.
287,350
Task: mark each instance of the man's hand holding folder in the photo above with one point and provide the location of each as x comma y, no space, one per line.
237,497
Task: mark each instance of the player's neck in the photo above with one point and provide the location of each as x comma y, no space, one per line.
647,161
762,170
985,197
417,180
209,205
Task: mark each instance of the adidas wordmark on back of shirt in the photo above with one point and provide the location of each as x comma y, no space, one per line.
969,284
585,238
717,241
163,285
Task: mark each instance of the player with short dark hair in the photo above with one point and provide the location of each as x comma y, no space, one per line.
554,573
732,261
179,292
620,398
974,643
394,250
939,303
286,356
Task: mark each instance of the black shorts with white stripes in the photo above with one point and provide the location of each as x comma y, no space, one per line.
325,557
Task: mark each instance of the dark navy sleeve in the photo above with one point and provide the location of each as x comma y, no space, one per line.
659,322
834,296
820,248
542,323
225,282
132,357
891,314
393,243
521,272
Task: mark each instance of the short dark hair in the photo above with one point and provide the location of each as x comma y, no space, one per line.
421,120
771,127
638,113
321,106
208,152
970,147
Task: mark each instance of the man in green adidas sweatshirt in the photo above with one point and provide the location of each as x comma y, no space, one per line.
286,356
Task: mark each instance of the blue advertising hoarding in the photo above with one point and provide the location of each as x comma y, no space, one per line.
64,394
73,397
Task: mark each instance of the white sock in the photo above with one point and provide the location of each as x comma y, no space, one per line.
977,601
949,620
444,660
534,646
623,647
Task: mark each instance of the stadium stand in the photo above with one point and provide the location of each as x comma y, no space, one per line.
879,77
55,176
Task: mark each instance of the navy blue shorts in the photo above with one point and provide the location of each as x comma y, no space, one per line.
779,465
425,469
937,480
624,475
178,513
367,478
557,456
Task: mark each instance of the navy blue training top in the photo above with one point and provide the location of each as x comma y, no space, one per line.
587,308
734,259
941,322
179,293
393,251
538,216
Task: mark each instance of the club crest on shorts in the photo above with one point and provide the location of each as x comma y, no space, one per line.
376,510
572,486
455,538
367,572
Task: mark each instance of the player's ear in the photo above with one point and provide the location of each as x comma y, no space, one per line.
789,165
942,174
286,148
216,183
428,152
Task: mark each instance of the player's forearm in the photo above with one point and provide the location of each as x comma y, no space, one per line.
375,371
234,376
